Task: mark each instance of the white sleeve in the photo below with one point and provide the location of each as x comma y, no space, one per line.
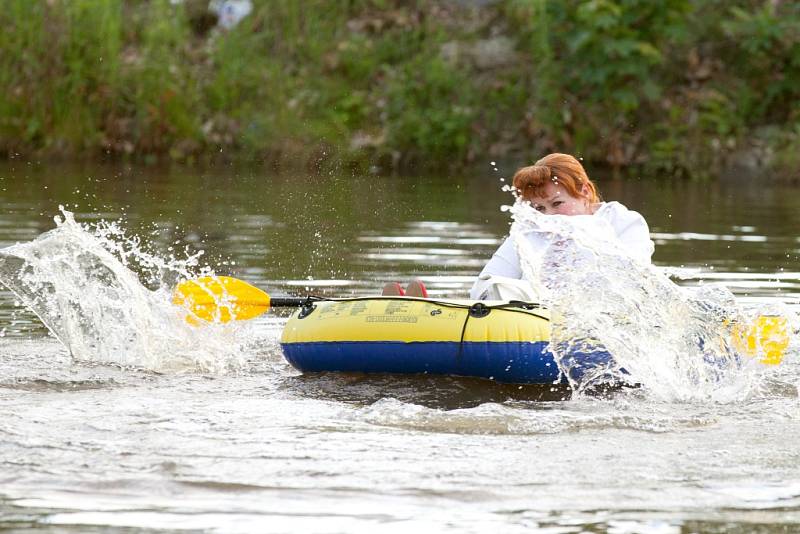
505,261
631,230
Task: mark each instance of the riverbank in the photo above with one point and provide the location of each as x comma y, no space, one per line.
678,87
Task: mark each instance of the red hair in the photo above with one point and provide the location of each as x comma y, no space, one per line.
561,169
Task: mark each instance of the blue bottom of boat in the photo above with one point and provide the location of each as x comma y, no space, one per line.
510,362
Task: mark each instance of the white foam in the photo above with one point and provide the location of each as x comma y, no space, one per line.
80,281
674,341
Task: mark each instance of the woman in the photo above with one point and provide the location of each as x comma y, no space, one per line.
557,184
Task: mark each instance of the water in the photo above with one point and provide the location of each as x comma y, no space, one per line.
83,282
231,439
676,343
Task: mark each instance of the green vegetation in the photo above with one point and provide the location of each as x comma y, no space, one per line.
687,88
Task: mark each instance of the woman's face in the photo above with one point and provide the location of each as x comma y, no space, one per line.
556,201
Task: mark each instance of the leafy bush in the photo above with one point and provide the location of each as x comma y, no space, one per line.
430,108
676,85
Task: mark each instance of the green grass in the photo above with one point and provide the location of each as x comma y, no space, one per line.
671,84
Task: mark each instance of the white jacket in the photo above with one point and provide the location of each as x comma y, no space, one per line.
499,279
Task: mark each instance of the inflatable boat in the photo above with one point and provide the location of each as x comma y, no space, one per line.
502,341
505,341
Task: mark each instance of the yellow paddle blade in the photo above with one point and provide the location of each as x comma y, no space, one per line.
220,299
767,335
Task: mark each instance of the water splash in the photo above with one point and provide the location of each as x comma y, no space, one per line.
677,343
80,281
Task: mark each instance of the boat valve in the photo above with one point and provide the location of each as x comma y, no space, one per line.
306,309
478,310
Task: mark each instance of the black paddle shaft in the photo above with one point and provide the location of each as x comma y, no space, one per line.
287,302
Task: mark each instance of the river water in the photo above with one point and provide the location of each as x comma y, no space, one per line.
168,440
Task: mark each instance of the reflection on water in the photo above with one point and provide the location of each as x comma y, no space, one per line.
436,392
356,232
90,447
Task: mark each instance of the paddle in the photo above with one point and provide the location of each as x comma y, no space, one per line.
224,298
768,334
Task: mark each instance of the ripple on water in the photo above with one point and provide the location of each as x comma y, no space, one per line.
532,418
40,384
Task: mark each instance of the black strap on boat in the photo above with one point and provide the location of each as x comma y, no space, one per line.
519,304
461,341
310,299
477,310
